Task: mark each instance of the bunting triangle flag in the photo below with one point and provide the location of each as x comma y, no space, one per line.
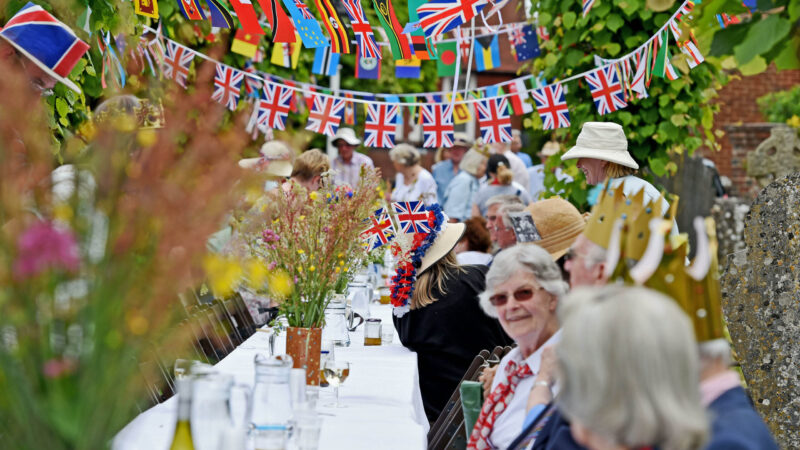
519,101
461,112
306,24
412,109
325,61
395,100
367,68
191,10
282,27
421,45
340,41
394,32
638,83
349,109
446,63
245,43
247,17
487,53
220,16
660,63
285,54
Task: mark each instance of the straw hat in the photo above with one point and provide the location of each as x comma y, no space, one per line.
602,140
444,243
559,224
347,135
276,160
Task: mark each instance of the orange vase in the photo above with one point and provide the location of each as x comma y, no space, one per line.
303,345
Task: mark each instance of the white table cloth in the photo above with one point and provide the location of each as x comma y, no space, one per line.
382,397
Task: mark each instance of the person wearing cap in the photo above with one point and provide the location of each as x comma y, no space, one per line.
516,147
347,165
536,173
444,171
518,169
412,182
501,181
445,325
41,45
457,201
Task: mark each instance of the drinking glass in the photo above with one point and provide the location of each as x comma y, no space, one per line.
335,373
182,368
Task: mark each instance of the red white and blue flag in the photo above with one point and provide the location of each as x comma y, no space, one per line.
494,120
587,6
252,84
412,217
273,108
227,84
379,128
606,88
365,37
325,115
191,10
437,125
177,61
380,231
552,106
441,16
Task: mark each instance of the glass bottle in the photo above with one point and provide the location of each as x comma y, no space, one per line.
182,439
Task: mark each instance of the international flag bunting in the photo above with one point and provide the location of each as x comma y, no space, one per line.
606,88
690,49
340,41
543,33
412,109
147,8
394,32
247,17
379,127
464,42
227,84
461,112
662,56
220,16
527,46
440,16
306,24
349,111
519,101
446,64
282,27
515,35
380,231
551,106
177,61
245,43
637,84
273,108
285,54
407,68
487,53
325,115
365,36
252,84
412,217
325,61
493,119
421,45
587,6
368,68
191,10
437,125
394,99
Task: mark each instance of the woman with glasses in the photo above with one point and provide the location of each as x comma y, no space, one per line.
523,288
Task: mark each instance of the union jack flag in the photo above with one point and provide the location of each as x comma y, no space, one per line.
516,36
325,115
379,128
227,84
412,217
606,90
552,106
494,120
303,9
380,231
365,37
273,109
252,84
176,62
437,125
441,16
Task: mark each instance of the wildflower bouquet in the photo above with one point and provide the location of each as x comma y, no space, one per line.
310,243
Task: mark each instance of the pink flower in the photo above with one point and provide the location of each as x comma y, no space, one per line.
45,246
56,368
269,235
272,265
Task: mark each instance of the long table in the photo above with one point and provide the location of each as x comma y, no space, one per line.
382,397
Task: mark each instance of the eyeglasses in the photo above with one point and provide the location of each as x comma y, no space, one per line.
521,295
572,254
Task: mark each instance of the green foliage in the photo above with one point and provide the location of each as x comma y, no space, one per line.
780,106
677,115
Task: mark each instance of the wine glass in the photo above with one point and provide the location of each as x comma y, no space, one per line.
335,373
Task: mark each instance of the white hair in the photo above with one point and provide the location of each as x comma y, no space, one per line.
503,199
629,368
472,161
594,256
405,154
509,208
526,258
716,349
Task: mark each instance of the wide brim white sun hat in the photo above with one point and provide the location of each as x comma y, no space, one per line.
275,160
346,134
444,243
602,140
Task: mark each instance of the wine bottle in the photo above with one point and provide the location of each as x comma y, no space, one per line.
182,439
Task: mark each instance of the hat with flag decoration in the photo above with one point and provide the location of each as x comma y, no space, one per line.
46,41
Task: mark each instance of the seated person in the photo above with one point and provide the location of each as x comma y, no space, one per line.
474,247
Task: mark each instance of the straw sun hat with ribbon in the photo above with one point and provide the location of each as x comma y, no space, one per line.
275,160
559,223
602,140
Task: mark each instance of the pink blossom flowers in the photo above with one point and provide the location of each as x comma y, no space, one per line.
45,246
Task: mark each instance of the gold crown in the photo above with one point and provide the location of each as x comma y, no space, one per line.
146,114
612,205
637,234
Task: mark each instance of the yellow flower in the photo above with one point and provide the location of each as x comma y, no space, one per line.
312,268
345,270
299,270
146,138
280,284
301,218
328,195
313,195
256,273
336,270
63,212
137,324
341,263
300,252
275,221
794,121
223,274
340,255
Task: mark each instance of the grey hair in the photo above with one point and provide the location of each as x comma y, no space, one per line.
527,258
503,199
509,208
629,368
595,256
716,349
472,161
405,154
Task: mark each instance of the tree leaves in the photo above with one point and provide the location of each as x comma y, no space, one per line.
761,37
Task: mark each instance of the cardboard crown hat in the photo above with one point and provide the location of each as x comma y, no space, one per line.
611,205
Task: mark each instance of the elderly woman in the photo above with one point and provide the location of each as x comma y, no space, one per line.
501,181
457,201
412,182
523,288
630,371
308,169
445,325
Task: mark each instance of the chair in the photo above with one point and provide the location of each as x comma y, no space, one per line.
244,328
228,323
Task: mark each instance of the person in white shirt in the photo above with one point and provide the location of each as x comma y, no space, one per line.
347,166
515,163
412,182
523,288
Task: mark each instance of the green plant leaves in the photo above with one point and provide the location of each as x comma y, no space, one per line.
614,22
569,19
761,37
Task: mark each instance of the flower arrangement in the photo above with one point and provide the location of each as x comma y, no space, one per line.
312,240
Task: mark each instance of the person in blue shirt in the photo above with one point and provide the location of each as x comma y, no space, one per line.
444,171
516,146
457,202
